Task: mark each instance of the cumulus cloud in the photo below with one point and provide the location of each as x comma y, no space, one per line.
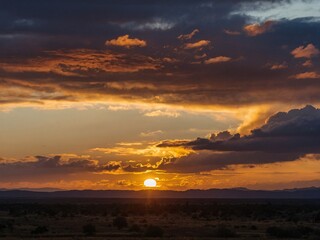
256,29
199,44
286,136
297,130
307,75
217,60
126,41
188,36
308,51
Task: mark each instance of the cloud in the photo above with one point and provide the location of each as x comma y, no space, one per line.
53,166
217,60
204,55
154,24
145,150
307,63
308,51
281,66
72,67
256,29
161,113
127,42
299,127
80,62
188,36
233,33
199,44
281,10
151,133
286,136
307,75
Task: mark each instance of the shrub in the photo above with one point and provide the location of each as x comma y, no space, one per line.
120,222
253,227
154,231
2,227
288,232
224,232
39,230
135,228
89,229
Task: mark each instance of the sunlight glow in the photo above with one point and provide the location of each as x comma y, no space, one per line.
150,183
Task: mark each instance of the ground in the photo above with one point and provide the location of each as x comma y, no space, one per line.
167,218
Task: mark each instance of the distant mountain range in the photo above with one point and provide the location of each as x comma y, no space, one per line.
301,193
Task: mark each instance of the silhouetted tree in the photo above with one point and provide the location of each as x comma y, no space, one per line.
288,232
154,231
225,232
39,230
120,222
89,229
135,228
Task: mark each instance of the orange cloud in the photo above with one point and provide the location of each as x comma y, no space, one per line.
160,113
199,44
80,61
307,75
281,66
126,41
146,150
305,52
307,63
217,60
188,36
257,29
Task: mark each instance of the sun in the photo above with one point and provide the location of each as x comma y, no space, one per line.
150,182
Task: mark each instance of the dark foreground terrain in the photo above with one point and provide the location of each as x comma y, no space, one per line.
152,218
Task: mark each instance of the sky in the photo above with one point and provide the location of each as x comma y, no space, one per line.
195,94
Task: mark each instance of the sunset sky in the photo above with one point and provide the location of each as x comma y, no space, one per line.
201,94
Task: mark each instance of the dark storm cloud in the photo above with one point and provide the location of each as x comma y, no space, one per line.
284,137
295,131
48,167
207,161
40,43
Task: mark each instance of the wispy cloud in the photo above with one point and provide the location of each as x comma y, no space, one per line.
161,113
233,33
189,35
219,59
151,133
199,44
256,29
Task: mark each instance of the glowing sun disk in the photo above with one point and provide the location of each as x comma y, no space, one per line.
150,183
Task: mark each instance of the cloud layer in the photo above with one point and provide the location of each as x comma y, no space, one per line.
155,53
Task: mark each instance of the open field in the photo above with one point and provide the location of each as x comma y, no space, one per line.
167,218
